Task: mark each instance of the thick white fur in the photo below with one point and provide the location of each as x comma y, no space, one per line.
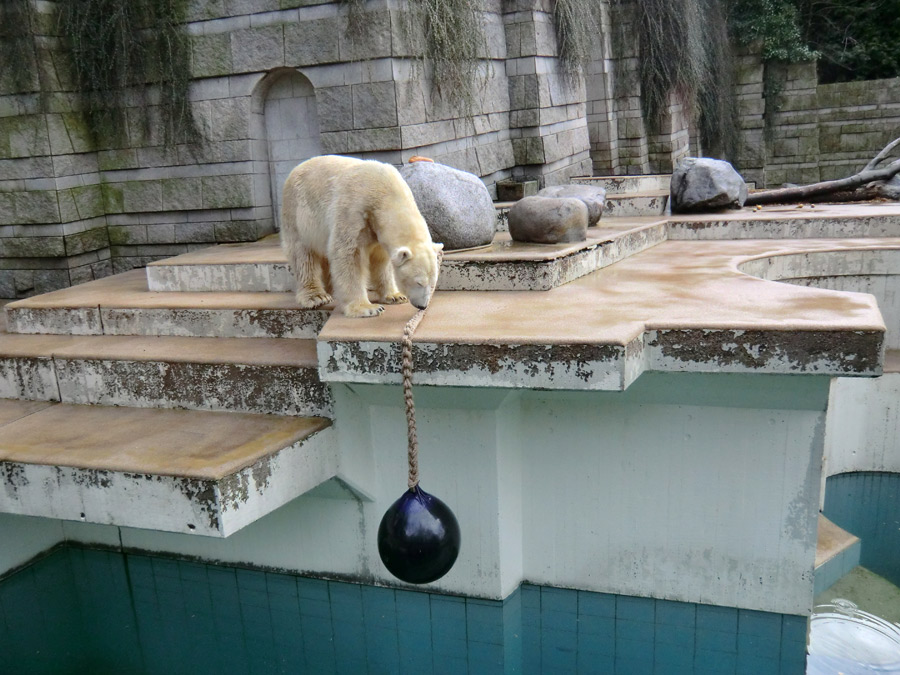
357,219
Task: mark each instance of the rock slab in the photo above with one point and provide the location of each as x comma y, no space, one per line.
593,197
548,220
456,204
703,184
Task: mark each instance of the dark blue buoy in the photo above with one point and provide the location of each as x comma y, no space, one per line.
419,538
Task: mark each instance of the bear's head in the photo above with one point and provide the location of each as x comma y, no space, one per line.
416,271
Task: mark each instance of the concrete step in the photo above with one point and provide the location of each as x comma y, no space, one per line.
503,266
625,185
837,552
637,205
123,305
194,472
258,375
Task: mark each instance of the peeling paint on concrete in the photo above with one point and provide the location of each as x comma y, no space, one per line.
593,367
170,503
62,320
280,390
824,352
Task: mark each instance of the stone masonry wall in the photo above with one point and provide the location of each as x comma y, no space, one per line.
273,82
795,130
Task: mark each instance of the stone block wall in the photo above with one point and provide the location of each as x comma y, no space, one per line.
795,130
273,82
547,109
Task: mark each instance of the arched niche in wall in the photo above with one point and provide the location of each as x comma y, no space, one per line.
291,128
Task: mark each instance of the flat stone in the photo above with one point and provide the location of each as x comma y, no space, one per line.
456,205
703,184
548,220
594,198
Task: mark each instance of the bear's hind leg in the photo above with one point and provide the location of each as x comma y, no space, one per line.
308,272
382,276
348,279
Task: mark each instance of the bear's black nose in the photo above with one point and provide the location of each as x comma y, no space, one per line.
418,306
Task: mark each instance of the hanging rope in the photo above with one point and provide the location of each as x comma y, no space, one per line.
406,367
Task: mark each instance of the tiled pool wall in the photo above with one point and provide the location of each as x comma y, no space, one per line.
91,611
867,504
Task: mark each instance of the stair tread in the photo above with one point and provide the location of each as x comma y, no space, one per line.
503,249
150,441
129,290
831,540
212,350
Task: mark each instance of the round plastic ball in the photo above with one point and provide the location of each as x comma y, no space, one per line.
418,538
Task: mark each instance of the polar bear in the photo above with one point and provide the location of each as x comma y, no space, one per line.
357,220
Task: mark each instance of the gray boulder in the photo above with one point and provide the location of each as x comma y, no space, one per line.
702,184
593,197
548,220
455,204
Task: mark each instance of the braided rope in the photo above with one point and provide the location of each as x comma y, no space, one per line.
406,367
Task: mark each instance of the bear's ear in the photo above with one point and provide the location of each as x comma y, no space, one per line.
438,247
401,255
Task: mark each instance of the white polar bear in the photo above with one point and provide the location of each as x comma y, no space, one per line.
357,219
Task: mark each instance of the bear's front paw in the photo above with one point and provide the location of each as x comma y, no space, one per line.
311,299
359,310
393,299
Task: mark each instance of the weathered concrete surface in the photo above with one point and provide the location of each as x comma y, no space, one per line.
679,306
504,265
790,222
261,375
123,305
170,470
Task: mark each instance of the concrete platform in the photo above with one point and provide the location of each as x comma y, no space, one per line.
173,470
681,306
505,265
790,222
260,375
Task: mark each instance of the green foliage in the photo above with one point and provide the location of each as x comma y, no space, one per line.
118,49
577,27
773,22
673,56
448,37
856,40
719,119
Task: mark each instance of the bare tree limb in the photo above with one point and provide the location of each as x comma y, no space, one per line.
881,155
806,192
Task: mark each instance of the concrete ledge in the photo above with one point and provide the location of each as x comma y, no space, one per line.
504,266
176,471
262,375
678,307
122,305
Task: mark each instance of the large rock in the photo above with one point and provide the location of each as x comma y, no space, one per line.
548,220
702,184
593,197
455,204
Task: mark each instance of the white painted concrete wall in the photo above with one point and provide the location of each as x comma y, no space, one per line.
700,488
885,288
863,428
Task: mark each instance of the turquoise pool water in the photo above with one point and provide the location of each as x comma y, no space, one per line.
88,611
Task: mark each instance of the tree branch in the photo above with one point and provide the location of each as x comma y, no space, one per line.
804,192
